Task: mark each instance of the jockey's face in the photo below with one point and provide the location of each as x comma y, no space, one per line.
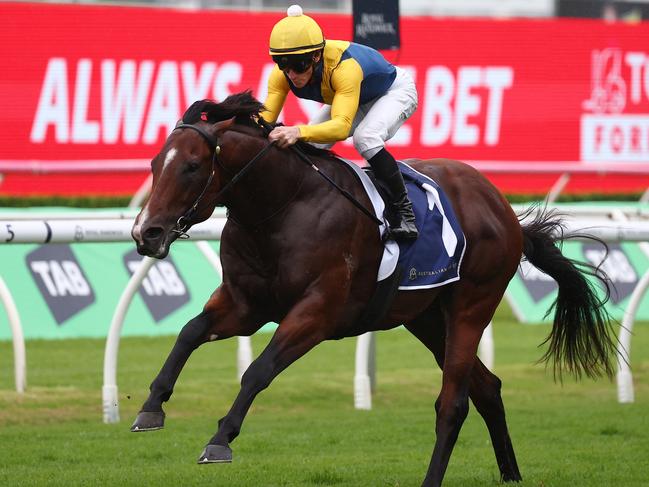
300,69
299,80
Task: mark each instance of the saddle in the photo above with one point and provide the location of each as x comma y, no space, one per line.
433,259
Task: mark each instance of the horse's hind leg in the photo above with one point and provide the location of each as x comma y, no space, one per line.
454,340
484,391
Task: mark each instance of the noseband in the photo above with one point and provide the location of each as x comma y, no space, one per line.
183,223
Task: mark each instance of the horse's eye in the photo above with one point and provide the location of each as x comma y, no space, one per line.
192,166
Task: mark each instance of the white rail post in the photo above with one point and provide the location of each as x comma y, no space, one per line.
624,376
486,347
557,188
142,192
625,393
244,349
20,362
110,399
362,380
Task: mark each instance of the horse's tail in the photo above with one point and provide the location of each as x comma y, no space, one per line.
581,337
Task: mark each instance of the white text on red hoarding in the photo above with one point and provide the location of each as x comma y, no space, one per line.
124,96
140,101
449,102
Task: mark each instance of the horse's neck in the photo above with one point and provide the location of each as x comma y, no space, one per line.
269,186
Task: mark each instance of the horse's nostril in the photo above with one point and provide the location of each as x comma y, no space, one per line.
152,233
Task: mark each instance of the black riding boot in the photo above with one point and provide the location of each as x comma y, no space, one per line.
385,168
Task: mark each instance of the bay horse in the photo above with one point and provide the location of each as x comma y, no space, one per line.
297,253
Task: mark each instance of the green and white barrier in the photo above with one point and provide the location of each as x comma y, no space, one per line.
67,282
531,292
65,289
69,290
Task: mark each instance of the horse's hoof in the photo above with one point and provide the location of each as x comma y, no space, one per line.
215,454
148,421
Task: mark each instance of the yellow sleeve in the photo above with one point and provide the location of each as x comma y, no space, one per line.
346,82
277,90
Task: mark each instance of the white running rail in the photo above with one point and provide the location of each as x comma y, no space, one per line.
104,229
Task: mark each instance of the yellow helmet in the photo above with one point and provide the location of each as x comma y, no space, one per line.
295,34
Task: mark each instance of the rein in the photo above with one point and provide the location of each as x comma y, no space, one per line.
183,223
304,158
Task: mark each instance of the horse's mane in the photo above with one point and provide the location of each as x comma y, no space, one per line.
244,107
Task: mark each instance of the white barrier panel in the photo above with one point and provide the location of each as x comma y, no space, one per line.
105,227
14,231
110,397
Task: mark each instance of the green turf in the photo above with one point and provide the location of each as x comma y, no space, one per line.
303,430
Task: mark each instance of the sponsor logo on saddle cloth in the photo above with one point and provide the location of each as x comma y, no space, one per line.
435,257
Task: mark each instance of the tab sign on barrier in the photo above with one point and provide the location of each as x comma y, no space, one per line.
532,291
60,280
617,267
163,290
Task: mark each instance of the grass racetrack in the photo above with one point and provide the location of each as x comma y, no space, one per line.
303,430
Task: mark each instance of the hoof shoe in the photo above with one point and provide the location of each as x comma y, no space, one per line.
215,454
148,421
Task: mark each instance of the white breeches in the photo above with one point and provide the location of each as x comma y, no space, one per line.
378,120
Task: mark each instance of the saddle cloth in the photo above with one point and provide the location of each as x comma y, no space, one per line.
435,257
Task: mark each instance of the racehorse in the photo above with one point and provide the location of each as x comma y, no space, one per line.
297,253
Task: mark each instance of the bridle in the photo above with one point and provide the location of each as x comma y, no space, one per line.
183,223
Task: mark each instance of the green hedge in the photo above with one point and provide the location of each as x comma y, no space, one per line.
570,198
122,201
73,201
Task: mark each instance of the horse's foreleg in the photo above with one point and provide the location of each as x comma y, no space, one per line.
193,334
217,313
301,330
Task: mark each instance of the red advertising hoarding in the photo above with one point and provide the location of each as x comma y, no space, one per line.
100,83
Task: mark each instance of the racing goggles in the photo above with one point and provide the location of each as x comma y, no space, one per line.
298,63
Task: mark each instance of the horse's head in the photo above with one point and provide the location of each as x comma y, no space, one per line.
186,174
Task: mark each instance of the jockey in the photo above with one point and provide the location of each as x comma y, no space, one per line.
363,95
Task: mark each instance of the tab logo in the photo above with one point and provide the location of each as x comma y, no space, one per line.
538,283
615,122
616,266
61,280
163,289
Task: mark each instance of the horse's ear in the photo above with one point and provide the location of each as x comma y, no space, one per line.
223,125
